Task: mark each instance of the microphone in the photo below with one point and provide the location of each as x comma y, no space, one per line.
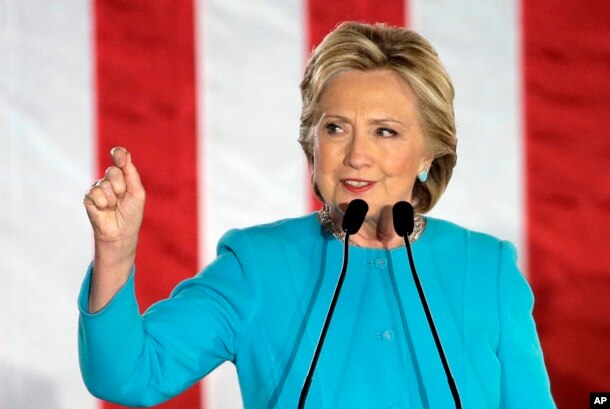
402,214
352,221
354,216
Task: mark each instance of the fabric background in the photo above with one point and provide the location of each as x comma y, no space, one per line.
205,96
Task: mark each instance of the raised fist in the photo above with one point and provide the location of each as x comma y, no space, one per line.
115,203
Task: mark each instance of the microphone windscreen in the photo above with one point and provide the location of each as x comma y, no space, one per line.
354,216
402,213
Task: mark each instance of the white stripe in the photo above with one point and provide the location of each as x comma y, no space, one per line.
479,44
45,241
253,171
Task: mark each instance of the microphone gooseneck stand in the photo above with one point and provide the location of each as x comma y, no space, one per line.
329,316
353,219
402,213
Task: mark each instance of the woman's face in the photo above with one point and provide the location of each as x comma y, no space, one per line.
367,141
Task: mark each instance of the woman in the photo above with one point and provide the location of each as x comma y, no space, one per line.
377,124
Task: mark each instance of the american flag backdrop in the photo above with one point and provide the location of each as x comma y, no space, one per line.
205,95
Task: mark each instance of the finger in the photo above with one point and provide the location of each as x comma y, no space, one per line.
118,154
122,159
96,197
115,176
111,198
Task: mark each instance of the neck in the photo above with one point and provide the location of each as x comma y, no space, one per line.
377,231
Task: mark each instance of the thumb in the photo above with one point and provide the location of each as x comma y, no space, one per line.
122,159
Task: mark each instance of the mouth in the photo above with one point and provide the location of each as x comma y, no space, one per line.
357,185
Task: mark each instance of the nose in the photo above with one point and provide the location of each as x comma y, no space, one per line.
358,151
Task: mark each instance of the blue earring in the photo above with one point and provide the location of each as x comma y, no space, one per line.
423,176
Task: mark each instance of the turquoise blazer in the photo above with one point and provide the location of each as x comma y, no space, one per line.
261,305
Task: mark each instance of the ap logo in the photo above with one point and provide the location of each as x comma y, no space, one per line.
599,400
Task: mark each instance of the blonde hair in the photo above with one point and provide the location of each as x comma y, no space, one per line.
365,47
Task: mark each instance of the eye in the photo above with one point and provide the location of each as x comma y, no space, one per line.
333,129
385,132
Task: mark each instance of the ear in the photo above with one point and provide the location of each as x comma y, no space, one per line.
310,167
426,163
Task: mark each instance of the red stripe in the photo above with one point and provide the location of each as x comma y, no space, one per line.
567,100
323,15
146,102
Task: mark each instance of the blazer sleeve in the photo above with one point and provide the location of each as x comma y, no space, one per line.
142,360
524,380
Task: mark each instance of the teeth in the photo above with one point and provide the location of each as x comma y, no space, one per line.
356,183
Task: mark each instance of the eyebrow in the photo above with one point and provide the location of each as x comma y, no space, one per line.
386,120
331,116
378,121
